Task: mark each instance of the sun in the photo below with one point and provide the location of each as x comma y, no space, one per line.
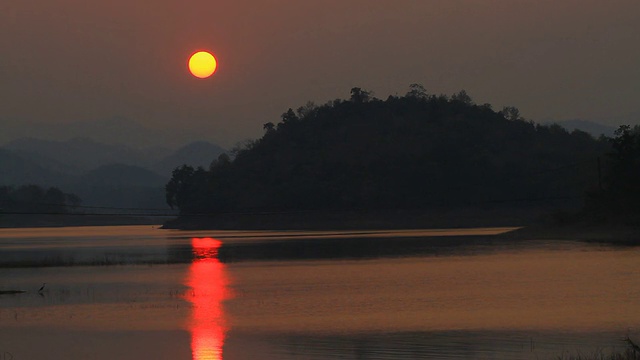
202,64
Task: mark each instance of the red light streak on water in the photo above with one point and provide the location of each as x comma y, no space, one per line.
209,288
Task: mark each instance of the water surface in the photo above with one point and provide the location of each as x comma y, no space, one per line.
132,292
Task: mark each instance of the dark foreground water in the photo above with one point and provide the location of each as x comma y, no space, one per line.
140,292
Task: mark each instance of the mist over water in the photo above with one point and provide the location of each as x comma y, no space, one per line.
352,295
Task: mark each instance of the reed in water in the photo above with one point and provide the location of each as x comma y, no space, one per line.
632,352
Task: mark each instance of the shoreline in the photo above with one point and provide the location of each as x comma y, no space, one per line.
76,220
617,234
534,224
362,219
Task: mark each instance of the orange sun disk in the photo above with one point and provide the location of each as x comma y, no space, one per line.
202,64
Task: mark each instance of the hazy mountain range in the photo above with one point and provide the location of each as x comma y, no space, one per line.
594,128
79,155
101,174
111,131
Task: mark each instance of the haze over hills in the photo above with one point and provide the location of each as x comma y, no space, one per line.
119,185
79,155
101,174
111,131
591,127
16,170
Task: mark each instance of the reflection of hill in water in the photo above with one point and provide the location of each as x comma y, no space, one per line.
343,248
267,250
176,248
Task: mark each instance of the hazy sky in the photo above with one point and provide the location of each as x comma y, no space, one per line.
70,60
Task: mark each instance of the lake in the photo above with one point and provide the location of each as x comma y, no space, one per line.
131,292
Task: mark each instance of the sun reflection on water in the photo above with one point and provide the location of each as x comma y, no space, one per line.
208,283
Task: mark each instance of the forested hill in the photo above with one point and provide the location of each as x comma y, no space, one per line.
406,152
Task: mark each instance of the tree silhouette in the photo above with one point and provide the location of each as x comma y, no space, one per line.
179,187
406,152
35,199
624,175
359,95
417,91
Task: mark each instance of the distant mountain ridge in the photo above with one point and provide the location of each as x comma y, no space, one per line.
15,170
115,175
115,130
591,127
198,153
101,174
119,185
79,155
